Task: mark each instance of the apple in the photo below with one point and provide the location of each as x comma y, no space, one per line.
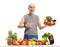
20,43
14,42
34,39
49,23
29,42
42,42
52,22
45,20
47,43
33,42
17,43
25,42
45,23
37,43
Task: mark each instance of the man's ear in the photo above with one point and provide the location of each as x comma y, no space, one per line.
28,8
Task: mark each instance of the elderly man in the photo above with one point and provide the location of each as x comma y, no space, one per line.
30,22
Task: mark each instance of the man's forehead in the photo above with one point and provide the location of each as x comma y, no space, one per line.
32,5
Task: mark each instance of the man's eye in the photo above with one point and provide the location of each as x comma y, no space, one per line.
30,7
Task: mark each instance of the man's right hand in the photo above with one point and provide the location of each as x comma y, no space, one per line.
28,25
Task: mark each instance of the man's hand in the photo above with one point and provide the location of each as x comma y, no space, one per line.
28,25
21,24
39,24
44,26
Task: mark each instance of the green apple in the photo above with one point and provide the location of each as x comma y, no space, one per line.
33,42
47,43
34,39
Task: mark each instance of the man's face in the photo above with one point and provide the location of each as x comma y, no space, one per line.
31,8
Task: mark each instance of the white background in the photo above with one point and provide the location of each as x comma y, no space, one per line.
11,12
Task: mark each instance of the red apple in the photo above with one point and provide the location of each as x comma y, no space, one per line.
23,42
26,41
37,43
41,43
14,42
19,41
49,23
45,23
